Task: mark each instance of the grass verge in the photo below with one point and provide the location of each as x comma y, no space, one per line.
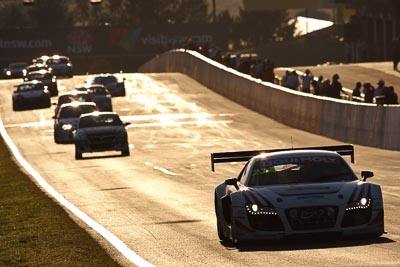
36,231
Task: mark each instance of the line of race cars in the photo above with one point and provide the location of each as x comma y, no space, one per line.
278,193
100,129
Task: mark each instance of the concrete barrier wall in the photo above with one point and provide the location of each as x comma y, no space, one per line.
357,123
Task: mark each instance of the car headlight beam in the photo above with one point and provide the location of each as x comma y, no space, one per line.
362,203
255,209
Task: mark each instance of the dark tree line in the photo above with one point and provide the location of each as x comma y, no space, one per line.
251,27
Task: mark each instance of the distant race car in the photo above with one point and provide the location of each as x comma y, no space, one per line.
287,192
60,65
100,95
115,85
32,94
15,70
101,131
46,77
33,67
71,96
67,118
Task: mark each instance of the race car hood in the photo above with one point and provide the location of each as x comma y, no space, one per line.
72,121
31,94
293,195
102,130
321,188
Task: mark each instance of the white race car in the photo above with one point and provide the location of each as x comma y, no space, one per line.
287,192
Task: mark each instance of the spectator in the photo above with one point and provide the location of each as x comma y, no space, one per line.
379,93
269,74
336,87
316,87
368,92
391,97
204,50
293,81
284,78
357,92
244,65
325,87
306,79
258,69
395,53
190,44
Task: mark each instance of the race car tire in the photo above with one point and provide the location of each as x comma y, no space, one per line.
125,152
15,106
78,153
221,235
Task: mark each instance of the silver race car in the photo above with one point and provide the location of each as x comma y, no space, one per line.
287,192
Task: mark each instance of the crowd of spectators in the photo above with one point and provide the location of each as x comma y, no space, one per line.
246,63
264,69
306,82
382,94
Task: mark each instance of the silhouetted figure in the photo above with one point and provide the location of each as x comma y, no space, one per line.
368,92
316,87
269,74
379,93
293,81
325,87
306,79
395,53
357,92
284,78
391,97
336,87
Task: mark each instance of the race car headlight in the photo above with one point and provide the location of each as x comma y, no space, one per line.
363,203
67,127
255,209
8,73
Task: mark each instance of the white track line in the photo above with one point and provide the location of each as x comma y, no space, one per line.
110,237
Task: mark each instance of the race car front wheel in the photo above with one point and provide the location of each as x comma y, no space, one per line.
78,153
220,232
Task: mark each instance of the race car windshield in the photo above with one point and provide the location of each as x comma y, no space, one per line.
294,170
30,87
76,112
74,98
99,121
105,80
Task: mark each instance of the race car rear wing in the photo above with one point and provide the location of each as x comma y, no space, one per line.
221,157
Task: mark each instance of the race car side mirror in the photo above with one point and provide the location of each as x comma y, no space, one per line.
232,181
127,124
366,174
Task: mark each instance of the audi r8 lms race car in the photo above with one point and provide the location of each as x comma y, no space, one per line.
287,192
100,95
113,84
46,77
71,96
67,118
101,131
60,65
15,70
32,94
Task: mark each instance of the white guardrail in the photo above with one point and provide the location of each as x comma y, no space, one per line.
351,122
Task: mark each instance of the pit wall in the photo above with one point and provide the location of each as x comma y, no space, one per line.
350,122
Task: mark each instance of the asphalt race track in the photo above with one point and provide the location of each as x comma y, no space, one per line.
159,201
